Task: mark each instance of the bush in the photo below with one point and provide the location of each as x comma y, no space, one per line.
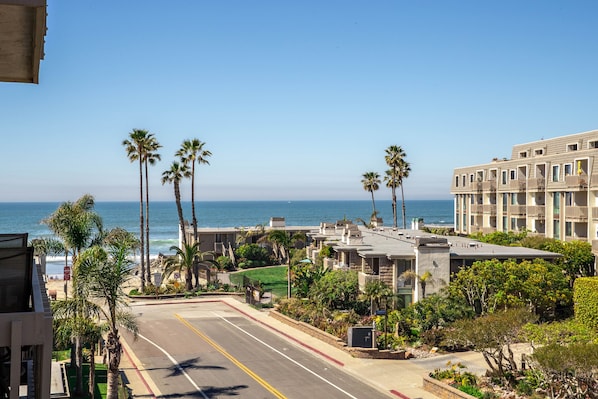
225,263
252,252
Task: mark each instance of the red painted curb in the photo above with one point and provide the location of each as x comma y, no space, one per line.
139,373
400,395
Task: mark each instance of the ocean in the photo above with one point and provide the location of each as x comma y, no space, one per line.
26,217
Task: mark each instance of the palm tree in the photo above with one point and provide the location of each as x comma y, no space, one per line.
106,271
184,261
151,157
174,175
136,148
283,242
192,152
426,278
371,183
376,292
77,224
399,170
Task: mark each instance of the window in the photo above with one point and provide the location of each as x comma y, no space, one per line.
513,199
593,144
568,198
555,173
568,168
572,147
513,224
539,151
504,177
513,174
463,180
556,202
568,229
523,154
556,229
456,181
471,178
505,203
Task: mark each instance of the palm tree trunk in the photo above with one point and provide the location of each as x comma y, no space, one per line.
373,204
179,208
141,234
147,229
114,348
394,206
194,221
78,366
403,206
92,370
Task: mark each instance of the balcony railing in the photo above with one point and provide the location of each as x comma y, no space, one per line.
364,279
537,184
517,185
488,230
477,208
576,212
489,185
580,181
536,211
489,208
517,209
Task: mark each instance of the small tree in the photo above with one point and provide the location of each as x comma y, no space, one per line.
492,335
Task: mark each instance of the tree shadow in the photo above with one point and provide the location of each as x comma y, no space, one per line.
210,392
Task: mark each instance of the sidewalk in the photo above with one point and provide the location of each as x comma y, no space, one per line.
397,378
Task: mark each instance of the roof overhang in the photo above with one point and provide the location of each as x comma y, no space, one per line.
22,32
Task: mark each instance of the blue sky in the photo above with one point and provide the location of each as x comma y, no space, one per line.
296,100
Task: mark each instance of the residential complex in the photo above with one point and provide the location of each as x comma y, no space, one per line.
548,187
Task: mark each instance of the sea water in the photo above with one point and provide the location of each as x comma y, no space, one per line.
27,217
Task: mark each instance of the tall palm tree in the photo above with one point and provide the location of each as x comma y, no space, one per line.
185,259
136,147
174,175
105,273
371,183
283,242
79,227
150,158
190,153
399,170
403,173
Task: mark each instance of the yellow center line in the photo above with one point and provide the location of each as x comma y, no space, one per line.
240,365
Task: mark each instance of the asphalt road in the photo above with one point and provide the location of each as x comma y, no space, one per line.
208,350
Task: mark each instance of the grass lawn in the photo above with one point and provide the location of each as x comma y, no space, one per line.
273,278
101,379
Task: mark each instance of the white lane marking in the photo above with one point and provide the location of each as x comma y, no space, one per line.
286,356
177,365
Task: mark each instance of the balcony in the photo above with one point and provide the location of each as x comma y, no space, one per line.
517,185
477,208
576,213
517,209
536,211
364,279
489,186
537,184
489,208
580,181
488,230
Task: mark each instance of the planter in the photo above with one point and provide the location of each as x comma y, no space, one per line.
442,390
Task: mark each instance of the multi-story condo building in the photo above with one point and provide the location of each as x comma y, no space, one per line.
548,187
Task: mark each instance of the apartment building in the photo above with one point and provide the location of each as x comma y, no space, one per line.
549,187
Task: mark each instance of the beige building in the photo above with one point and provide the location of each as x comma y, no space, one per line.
548,187
25,315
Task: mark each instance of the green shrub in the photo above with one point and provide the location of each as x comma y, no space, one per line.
585,299
225,263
